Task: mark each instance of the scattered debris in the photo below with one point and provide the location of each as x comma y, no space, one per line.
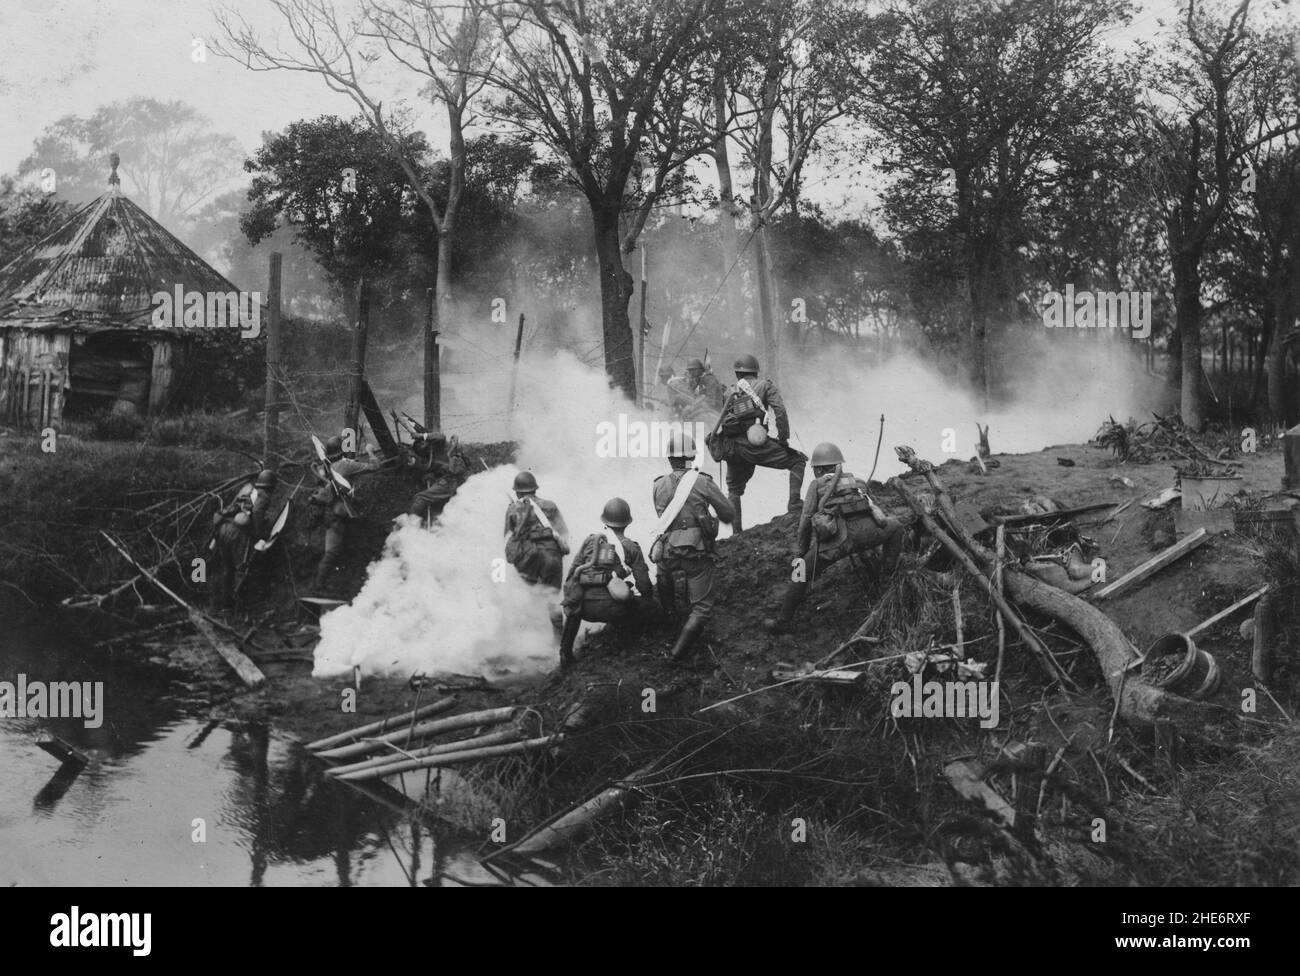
1154,564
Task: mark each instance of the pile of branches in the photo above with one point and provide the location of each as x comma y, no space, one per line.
1162,439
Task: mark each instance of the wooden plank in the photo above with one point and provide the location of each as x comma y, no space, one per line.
452,758
1064,513
1211,621
62,750
1154,564
832,677
248,672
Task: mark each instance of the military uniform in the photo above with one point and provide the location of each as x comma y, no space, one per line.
586,590
340,510
685,552
442,481
534,550
239,525
742,412
854,525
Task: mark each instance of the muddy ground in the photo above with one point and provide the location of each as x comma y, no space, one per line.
868,787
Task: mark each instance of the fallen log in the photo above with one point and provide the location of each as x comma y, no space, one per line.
1154,564
1030,639
384,724
248,672
453,758
569,823
968,780
388,759
490,716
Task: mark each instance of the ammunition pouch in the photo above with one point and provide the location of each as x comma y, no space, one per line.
826,526
718,446
692,540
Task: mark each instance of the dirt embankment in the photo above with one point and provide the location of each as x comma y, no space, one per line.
808,784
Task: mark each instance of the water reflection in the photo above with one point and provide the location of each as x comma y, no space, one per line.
174,796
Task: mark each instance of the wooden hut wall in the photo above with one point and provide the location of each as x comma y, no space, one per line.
33,376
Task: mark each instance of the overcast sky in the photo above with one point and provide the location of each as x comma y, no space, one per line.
60,57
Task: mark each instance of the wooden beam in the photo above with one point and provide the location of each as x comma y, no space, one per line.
384,724
1154,564
1211,621
488,716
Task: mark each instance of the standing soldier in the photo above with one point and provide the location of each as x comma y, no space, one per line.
684,537
609,581
742,438
236,528
537,540
838,519
337,502
442,479
705,386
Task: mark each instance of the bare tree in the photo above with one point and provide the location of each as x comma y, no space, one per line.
452,46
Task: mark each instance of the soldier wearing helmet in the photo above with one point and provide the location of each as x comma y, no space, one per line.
337,503
684,536
838,519
445,471
537,540
743,441
609,581
697,396
236,527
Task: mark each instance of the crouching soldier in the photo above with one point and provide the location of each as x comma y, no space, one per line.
537,540
446,472
609,581
684,536
838,519
236,528
338,504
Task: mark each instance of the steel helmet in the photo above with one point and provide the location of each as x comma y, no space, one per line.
746,364
696,365
824,454
665,371
265,479
616,514
334,446
524,481
681,445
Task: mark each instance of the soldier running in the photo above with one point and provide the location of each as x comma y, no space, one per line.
338,504
684,538
838,519
609,581
236,528
742,438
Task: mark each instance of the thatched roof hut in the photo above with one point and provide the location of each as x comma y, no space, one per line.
78,329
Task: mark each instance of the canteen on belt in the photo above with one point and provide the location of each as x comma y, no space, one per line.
618,589
757,435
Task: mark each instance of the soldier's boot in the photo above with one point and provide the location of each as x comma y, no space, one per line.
794,595
571,624
666,592
736,525
795,502
684,649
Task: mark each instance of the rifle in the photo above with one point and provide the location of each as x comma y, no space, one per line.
262,545
336,481
419,427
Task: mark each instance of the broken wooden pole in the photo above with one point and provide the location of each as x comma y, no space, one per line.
271,400
454,758
490,716
460,745
357,369
1058,515
248,672
384,724
1227,611
1154,564
514,369
1261,654
432,367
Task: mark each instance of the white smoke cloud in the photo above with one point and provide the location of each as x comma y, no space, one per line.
430,603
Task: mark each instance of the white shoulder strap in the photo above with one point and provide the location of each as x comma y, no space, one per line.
541,516
617,543
682,493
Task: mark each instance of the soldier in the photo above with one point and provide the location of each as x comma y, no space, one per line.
742,438
838,519
447,470
697,396
684,538
236,528
609,581
537,540
337,502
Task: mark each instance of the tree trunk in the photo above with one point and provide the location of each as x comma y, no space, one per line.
733,294
615,293
767,315
1187,307
455,187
